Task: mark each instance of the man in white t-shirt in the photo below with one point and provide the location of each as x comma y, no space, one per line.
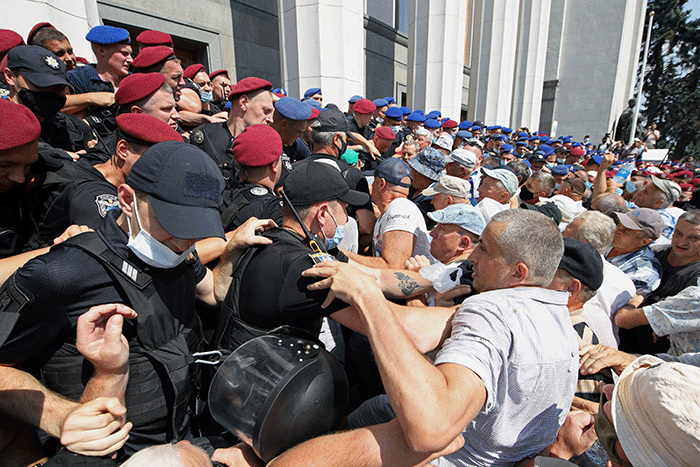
497,186
400,231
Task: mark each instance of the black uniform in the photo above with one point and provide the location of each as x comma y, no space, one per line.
297,151
85,79
217,107
16,224
268,291
52,291
217,141
66,131
79,195
251,200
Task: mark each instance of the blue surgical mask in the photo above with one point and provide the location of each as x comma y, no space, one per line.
205,97
395,128
151,251
589,185
337,237
556,186
380,120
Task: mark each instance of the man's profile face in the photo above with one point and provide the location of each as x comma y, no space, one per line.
221,86
15,163
162,106
202,80
490,188
685,242
149,222
408,152
363,119
172,71
64,51
446,240
490,269
259,109
627,240
646,197
440,201
119,58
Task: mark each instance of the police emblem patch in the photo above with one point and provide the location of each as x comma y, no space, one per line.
52,62
258,191
197,136
4,93
105,203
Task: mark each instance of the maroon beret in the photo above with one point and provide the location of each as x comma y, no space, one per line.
82,60
384,132
9,39
577,151
448,124
249,85
18,125
192,70
137,86
364,106
314,113
36,29
258,145
144,129
216,73
695,182
149,56
686,187
151,38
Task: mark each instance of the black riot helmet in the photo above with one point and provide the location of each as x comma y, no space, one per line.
276,391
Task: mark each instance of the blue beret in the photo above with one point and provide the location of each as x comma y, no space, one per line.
598,159
501,138
390,100
476,128
405,110
544,139
527,162
281,91
293,109
416,117
521,143
380,102
107,35
354,99
431,123
311,91
567,140
465,125
394,112
493,127
507,148
560,170
464,134
315,104
522,134
434,114
576,145
419,111
506,130
533,138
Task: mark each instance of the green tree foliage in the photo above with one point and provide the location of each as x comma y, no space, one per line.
672,78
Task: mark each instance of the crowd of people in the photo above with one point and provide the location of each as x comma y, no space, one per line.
495,296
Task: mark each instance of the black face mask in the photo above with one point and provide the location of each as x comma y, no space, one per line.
525,194
43,104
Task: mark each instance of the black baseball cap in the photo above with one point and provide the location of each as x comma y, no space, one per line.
315,181
42,68
583,262
548,209
184,187
331,120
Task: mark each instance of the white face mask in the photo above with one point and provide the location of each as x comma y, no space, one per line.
150,250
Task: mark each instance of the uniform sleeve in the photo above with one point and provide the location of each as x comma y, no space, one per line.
40,322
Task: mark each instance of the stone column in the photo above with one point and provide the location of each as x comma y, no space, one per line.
437,38
322,45
493,60
530,64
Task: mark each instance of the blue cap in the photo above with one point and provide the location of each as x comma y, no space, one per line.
107,35
475,128
416,117
394,112
567,140
419,111
390,100
465,125
597,159
507,148
521,143
534,138
431,123
462,215
464,134
493,127
311,91
429,162
506,130
354,99
560,170
293,109
434,114
522,134
315,104
405,110
279,91
393,170
380,102
544,139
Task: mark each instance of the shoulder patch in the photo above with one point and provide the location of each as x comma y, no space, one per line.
4,93
105,203
197,136
258,191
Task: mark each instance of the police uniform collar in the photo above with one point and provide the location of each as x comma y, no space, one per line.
115,238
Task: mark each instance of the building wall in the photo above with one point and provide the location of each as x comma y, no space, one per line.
257,40
386,54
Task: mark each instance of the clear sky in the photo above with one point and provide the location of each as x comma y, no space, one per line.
694,7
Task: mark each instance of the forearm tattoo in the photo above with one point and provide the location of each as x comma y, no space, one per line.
406,283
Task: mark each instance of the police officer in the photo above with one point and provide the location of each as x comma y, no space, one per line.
267,290
221,87
290,120
251,104
152,38
258,152
8,40
82,194
143,256
162,59
37,80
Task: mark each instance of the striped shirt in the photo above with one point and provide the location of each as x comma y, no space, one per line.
642,267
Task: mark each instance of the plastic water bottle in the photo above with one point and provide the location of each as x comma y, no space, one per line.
623,172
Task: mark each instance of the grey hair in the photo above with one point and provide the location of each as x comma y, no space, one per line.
425,132
323,138
692,216
165,455
667,199
146,103
611,202
522,171
531,238
596,229
586,292
546,182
